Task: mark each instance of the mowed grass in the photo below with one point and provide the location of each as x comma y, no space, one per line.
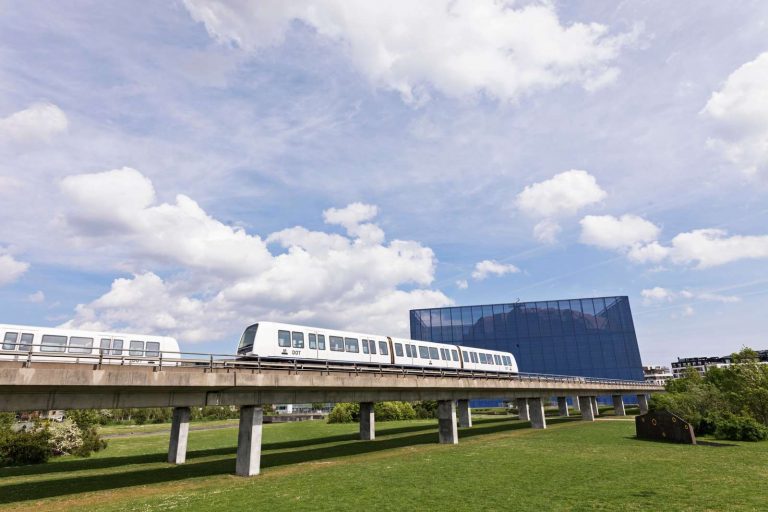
499,464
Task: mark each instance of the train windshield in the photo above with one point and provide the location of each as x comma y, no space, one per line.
247,339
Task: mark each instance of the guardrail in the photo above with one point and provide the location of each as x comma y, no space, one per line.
210,362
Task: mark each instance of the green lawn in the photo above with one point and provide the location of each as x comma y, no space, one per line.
500,464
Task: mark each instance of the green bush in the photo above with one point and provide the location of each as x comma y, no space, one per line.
92,442
344,412
739,428
426,409
24,447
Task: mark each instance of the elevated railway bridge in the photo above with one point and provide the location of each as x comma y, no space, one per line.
45,382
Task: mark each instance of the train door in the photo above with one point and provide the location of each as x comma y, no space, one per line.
313,345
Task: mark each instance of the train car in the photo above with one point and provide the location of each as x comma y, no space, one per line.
72,345
272,340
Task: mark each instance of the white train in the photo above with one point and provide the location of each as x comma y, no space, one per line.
270,340
84,346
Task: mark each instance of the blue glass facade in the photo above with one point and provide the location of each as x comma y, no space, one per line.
591,337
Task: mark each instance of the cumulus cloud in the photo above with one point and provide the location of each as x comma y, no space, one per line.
458,48
618,233
712,247
221,278
10,268
546,231
658,294
740,112
462,284
38,122
486,268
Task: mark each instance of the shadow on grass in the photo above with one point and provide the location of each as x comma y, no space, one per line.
347,445
699,442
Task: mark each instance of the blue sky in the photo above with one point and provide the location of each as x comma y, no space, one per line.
187,168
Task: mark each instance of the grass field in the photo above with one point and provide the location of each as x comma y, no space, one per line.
500,464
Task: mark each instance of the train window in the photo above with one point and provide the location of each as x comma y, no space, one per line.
497,359
489,358
136,348
399,349
473,356
283,338
383,349
408,350
52,343
365,347
153,349
9,341
79,345
312,341
373,346
423,352
466,355
351,345
104,345
337,343
433,353
482,358
249,335
455,354
321,341
117,347
26,342
507,360
413,350
298,339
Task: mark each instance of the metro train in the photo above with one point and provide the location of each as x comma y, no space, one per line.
271,340
83,346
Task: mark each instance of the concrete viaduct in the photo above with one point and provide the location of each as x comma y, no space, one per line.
51,385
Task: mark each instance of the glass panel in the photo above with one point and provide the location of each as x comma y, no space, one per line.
246,340
9,341
153,349
51,343
413,350
473,355
298,339
433,353
283,338
312,341
336,343
372,345
136,348
383,348
351,345
497,359
399,349
408,351
117,347
423,352
455,354
26,342
482,358
321,342
105,345
78,345
465,355
365,346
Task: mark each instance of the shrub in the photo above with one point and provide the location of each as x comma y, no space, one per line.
344,412
7,419
24,447
426,409
92,442
65,437
739,428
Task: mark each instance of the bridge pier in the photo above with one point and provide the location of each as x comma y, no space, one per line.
446,419
177,450
522,409
642,401
618,405
367,422
249,441
576,404
536,411
595,409
562,406
587,413
465,414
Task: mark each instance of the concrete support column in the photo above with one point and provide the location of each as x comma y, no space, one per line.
249,441
562,406
465,415
536,410
177,451
642,401
586,408
446,419
576,405
618,405
367,422
522,409
595,410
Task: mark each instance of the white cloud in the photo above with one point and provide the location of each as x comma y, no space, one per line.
740,110
652,252
459,48
546,231
712,247
226,278
486,268
563,194
462,284
10,269
656,294
622,233
39,122
659,294
37,297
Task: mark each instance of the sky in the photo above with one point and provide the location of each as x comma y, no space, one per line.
191,167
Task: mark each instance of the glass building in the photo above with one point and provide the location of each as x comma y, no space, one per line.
591,337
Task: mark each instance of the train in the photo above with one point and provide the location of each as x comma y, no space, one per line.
273,340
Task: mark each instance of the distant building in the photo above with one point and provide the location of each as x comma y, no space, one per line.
657,374
702,364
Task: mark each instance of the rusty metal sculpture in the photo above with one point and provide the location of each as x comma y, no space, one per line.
664,426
